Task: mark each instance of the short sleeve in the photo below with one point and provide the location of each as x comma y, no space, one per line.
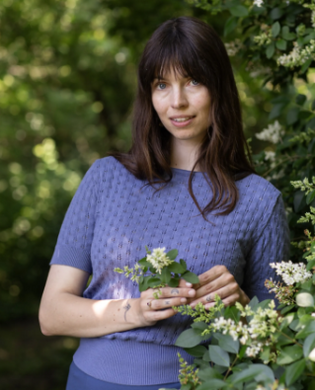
271,245
75,238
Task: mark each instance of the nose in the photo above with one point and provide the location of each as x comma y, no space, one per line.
179,98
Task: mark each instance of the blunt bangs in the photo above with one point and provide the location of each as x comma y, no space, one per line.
173,51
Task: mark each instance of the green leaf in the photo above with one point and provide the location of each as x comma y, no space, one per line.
144,285
154,282
276,13
172,254
252,372
309,344
306,331
275,29
300,99
306,65
285,338
174,282
199,325
233,313
289,354
310,197
165,275
287,309
176,268
183,264
270,50
212,384
208,373
294,371
286,34
227,342
281,44
197,351
299,201
305,299
190,277
239,10
313,105
219,356
310,265
293,115
189,338
144,263
230,25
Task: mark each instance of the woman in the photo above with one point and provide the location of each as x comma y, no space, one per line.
186,184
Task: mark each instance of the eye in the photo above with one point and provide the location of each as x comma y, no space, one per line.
195,82
161,86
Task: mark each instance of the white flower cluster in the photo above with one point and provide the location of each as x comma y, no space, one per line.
298,56
264,323
258,3
158,259
270,155
233,47
272,134
264,38
291,273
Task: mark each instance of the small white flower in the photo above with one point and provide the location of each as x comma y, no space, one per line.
258,3
158,259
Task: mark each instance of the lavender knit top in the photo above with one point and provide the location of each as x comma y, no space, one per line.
113,216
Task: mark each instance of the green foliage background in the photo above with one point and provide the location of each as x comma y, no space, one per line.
67,82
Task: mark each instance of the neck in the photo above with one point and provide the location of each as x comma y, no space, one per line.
184,154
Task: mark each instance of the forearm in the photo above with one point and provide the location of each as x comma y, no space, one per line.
71,315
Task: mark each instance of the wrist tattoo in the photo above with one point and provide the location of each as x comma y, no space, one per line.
127,307
174,291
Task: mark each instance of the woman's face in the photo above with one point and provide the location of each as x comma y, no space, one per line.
183,106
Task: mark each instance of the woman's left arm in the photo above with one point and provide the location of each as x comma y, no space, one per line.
270,244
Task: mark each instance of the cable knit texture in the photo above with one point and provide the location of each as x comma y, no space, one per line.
113,216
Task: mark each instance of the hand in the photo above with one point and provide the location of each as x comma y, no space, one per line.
152,310
218,280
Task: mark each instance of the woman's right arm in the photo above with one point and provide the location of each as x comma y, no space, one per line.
63,310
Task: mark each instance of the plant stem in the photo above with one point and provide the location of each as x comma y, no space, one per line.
230,368
290,338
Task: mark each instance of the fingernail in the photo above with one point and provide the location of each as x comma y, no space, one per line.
192,305
191,293
183,300
188,284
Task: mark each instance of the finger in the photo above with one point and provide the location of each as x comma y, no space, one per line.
183,283
212,274
169,292
224,292
162,304
228,301
215,285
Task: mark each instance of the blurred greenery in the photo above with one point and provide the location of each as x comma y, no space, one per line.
67,82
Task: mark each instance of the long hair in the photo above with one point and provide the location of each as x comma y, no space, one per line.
190,47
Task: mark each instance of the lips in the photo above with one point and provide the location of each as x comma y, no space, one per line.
181,121
181,118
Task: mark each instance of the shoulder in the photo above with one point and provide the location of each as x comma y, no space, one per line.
256,187
258,198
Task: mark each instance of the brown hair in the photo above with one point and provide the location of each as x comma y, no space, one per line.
191,47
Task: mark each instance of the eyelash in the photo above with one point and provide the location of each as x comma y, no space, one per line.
191,81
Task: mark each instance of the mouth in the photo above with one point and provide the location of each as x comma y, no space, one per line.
181,121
